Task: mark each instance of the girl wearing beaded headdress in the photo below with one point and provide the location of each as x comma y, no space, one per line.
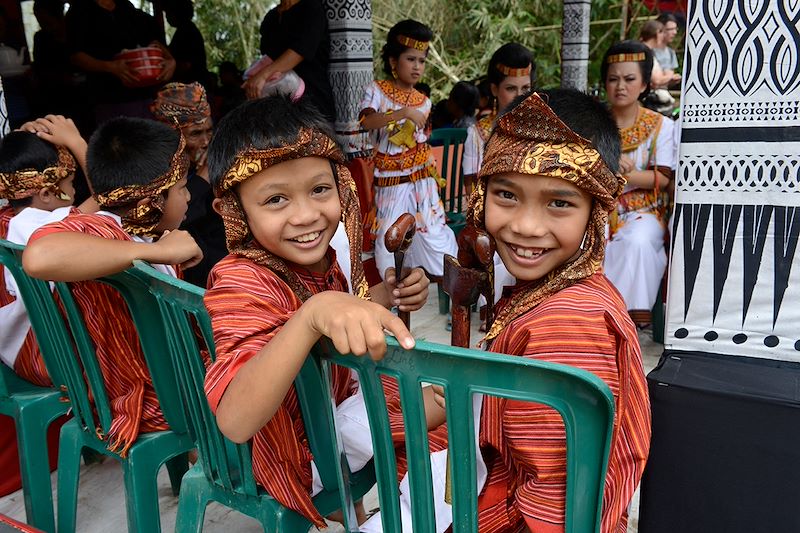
405,175
511,73
635,255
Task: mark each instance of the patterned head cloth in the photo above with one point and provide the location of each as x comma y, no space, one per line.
184,103
27,182
310,142
142,219
530,139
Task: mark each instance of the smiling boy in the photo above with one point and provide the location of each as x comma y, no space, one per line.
544,192
282,190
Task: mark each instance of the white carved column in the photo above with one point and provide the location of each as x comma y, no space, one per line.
575,44
350,24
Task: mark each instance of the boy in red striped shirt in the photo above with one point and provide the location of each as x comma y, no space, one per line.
548,180
283,192
138,173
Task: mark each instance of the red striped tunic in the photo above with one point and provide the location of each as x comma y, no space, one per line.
248,305
29,364
585,325
134,405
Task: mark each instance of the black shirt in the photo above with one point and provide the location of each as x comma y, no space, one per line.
205,225
187,46
304,29
103,34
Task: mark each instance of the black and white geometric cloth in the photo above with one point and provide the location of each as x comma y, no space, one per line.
735,272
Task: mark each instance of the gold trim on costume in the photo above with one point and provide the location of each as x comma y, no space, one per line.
413,157
143,217
27,182
647,122
403,97
408,42
513,72
626,58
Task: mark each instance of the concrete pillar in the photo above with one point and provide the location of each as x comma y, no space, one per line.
575,44
350,23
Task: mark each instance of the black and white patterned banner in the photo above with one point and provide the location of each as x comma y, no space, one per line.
735,271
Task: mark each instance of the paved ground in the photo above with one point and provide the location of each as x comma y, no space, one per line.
101,503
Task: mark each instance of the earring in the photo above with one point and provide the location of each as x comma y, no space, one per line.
583,242
394,73
494,106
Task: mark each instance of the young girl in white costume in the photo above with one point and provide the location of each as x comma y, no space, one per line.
405,175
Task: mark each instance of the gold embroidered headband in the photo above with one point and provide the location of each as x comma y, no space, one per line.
531,139
27,182
240,241
142,218
248,162
626,58
513,72
408,42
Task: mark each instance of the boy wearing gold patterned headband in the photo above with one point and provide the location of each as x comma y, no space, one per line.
544,191
282,190
137,169
37,167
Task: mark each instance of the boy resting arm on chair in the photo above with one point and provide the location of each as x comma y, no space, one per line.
548,181
282,190
138,173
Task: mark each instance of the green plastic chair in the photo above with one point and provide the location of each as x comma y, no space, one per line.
583,400
33,408
224,471
92,420
452,140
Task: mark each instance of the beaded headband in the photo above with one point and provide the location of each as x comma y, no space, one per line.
513,72
408,42
27,182
143,218
626,58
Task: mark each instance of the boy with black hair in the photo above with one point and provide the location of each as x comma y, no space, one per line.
138,171
282,190
548,180
37,168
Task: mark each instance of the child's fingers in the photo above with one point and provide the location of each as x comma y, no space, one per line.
389,277
395,326
355,339
375,339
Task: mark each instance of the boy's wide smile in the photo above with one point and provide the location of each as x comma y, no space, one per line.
537,222
293,210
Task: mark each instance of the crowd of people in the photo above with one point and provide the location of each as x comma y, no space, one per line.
574,192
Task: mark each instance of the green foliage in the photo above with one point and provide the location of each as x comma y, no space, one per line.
466,34
230,29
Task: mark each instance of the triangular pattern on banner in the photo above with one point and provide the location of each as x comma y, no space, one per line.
787,229
726,222
695,223
756,225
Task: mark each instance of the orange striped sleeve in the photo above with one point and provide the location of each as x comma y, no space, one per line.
585,326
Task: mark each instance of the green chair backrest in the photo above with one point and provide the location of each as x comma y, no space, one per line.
451,139
583,400
143,308
55,342
225,463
